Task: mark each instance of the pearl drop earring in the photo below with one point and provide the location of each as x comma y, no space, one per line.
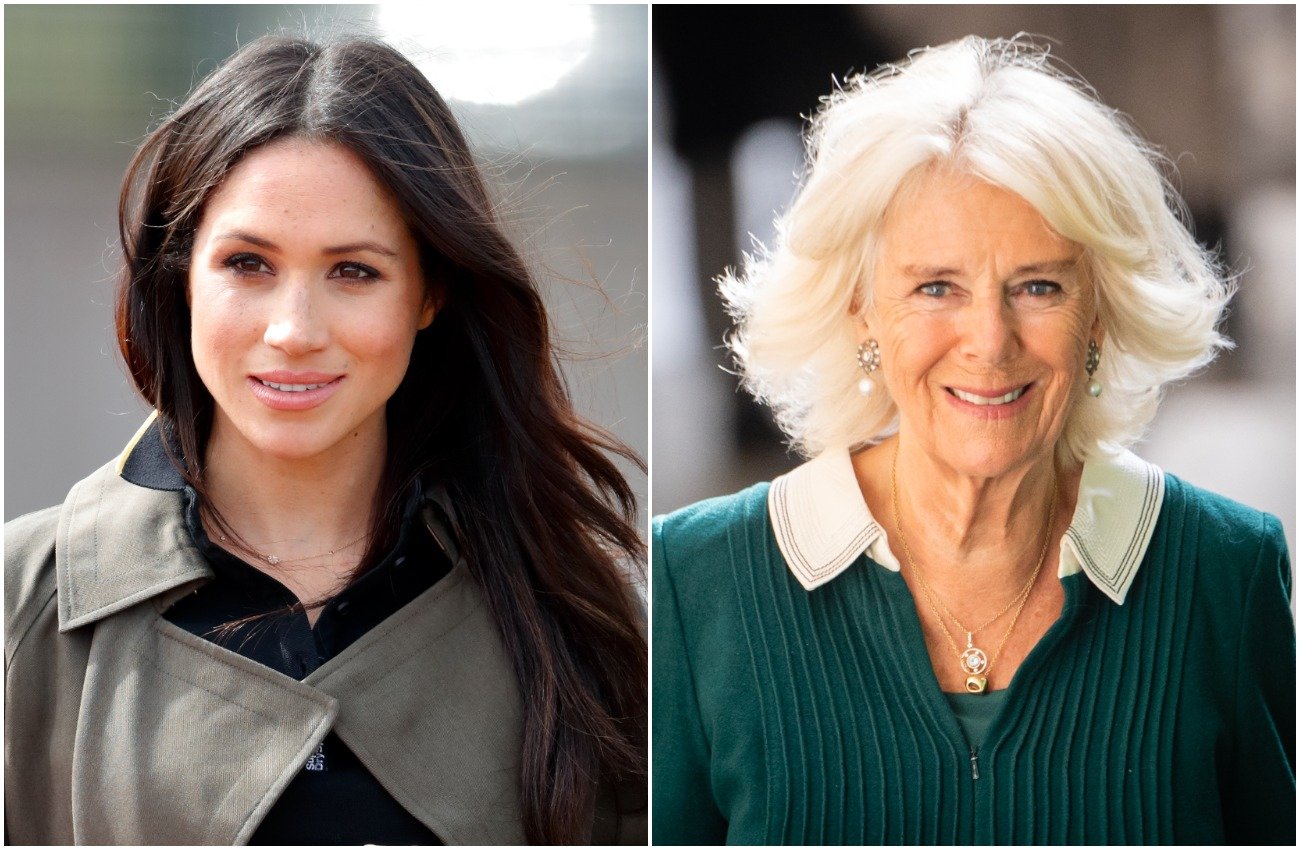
868,362
1094,359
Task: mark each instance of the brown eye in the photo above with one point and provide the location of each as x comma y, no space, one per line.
355,271
247,264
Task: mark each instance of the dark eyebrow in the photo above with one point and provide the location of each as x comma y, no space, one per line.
1045,267
354,247
350,248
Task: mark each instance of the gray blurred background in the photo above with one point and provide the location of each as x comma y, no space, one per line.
554,101
1214,86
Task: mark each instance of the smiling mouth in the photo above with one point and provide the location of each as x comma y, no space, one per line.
294,388
986,401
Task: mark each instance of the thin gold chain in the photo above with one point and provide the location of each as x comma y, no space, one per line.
1018,601
275,561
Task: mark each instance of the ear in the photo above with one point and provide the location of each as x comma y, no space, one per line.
1097,333
858,308
863,318
428,309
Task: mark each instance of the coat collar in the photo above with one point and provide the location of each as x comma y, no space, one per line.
122,537
822,524
121,543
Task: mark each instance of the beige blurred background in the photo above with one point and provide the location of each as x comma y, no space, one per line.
553,99
1214,86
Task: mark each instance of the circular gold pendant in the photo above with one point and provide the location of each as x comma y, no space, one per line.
974,661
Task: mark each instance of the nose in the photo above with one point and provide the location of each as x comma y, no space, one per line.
295,325
988,330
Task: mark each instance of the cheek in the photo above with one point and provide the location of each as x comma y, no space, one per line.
382,336
1062,343
224,329
914,348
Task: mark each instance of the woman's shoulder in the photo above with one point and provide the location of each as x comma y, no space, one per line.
31,541
29,572
1218,521
705,526
1238,550
30,529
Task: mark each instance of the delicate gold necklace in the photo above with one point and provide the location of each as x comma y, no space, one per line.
975,663
275,561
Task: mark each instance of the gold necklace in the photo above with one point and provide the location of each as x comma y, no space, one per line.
275,561
975,663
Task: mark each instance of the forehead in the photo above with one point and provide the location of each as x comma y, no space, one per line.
298,182
950,219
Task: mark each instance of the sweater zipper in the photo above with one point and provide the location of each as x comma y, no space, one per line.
974,764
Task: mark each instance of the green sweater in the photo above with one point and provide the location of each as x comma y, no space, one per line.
786,716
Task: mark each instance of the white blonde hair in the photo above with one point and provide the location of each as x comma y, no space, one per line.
999,111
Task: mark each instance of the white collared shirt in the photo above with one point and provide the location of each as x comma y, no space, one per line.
823,524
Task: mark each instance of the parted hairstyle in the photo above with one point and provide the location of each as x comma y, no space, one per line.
547,520
997,110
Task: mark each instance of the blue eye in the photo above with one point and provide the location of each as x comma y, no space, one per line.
247,264
934,289
1041,288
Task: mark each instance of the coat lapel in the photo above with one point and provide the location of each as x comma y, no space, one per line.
181,740
429,703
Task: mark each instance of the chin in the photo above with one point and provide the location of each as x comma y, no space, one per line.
991,461
292,443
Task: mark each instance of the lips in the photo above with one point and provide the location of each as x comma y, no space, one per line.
989,399
294,388
286,376
996,403
293,391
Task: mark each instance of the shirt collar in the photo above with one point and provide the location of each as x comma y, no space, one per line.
122,537
822,523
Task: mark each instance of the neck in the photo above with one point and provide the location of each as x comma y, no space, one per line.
961,524
295,507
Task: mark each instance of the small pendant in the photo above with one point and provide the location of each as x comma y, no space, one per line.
976,684
973,660
272,560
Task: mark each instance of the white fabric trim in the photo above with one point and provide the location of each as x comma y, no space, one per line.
822,523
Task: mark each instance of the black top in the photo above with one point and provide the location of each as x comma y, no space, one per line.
334,799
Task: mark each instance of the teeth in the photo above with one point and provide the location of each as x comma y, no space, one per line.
984,400
292,388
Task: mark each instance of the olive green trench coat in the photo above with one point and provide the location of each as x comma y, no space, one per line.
123,728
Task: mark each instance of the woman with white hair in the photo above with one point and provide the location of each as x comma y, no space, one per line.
973,616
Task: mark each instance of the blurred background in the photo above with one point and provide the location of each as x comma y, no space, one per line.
554,101
1213,86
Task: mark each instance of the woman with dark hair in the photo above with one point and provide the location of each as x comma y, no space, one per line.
364,576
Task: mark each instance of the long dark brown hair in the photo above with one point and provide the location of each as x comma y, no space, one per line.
547,520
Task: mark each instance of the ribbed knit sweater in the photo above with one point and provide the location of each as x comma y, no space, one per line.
787,716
